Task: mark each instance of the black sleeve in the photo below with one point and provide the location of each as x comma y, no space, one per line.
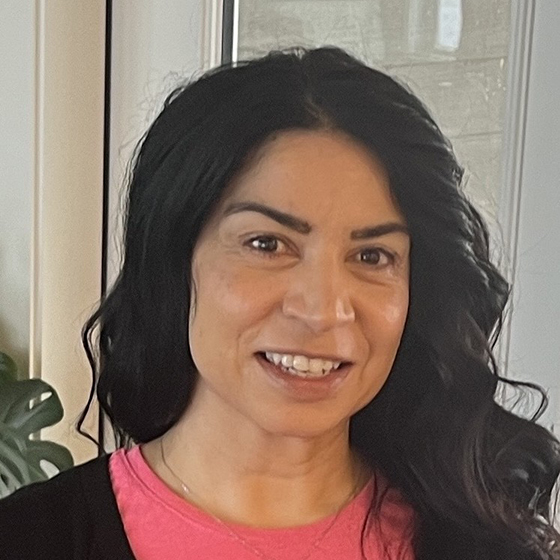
39,521
73,516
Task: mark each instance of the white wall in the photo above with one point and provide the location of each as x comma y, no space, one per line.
17,154
156,43
51,156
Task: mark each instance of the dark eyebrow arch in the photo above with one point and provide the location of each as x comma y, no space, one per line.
378,231
301,226
297,224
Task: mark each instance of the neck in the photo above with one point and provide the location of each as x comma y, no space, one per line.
242,474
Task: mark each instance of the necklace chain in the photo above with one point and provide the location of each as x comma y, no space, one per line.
246,544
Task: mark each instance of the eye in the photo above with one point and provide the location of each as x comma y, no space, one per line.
376,257
265,244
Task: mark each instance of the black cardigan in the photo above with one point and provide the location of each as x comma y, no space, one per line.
73,516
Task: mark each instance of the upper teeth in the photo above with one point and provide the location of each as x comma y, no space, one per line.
302,363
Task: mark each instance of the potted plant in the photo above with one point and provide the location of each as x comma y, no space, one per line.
26,406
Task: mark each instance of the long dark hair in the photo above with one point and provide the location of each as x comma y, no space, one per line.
478,477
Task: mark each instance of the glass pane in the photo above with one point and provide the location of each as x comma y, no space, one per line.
452,54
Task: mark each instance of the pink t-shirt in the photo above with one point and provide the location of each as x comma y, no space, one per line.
161,525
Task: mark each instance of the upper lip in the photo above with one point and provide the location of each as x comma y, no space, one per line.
307,354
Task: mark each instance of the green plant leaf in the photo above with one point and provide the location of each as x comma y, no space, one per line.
7,486
5,489
18,394
13,462
8,368
15,399
13,438
8,476
41,415
49,451
26,406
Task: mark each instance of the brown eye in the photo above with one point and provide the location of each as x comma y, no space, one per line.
264,243
376,256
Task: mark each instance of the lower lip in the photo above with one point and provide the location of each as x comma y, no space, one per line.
309,388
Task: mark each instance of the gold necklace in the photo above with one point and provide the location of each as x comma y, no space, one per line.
236,536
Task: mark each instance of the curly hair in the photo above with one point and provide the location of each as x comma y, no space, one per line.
478,477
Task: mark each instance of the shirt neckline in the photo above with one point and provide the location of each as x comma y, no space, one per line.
161,492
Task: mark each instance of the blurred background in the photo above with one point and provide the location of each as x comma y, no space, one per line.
82,79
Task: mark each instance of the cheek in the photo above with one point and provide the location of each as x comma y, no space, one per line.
395,312
387,318
231,304
228,298
390,310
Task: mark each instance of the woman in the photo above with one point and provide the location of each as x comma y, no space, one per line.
299,342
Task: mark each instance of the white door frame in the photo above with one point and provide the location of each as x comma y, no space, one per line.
532,214
67,204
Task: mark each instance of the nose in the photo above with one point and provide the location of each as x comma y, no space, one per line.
319,298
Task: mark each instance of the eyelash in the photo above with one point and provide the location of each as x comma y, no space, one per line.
391,257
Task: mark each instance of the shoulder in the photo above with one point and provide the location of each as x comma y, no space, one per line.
45,516
61,491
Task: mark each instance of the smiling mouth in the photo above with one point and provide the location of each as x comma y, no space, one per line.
301,366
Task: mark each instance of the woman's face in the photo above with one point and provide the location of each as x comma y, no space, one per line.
306,261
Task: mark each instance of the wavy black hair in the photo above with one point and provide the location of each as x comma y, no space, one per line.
478,477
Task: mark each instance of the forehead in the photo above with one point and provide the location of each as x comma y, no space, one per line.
317,173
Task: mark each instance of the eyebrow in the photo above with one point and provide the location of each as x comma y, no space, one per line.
302,226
